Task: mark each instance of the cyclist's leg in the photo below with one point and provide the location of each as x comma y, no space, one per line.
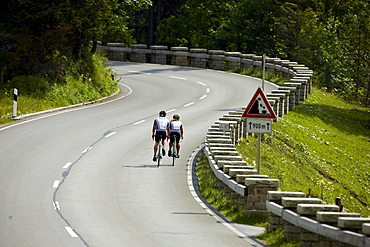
177,139
155,147
170,143
156,143
178,144
155,151
163,137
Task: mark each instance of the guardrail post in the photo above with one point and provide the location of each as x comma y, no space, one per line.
216,59
138,53
115,55
179,56
159,54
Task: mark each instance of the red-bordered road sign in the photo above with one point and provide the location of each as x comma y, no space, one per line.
259,107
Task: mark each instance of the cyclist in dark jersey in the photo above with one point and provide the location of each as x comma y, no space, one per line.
176,131
159,132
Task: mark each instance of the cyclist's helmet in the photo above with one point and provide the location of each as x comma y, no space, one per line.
176,116
162,113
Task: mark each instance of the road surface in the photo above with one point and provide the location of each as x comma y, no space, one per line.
85,176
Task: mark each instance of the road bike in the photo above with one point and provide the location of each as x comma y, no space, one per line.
174,153
159,152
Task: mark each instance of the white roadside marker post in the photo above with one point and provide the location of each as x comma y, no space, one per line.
15,103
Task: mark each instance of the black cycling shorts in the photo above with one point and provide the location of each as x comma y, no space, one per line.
174,135
160,135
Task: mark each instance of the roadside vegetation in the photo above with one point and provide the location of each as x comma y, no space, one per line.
271,77
35,94
230,209
327,142
323,145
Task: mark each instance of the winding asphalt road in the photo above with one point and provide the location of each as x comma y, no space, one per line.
84,176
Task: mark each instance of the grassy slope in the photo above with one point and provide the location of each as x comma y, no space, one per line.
80,88
322,145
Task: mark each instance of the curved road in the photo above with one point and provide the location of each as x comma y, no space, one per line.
84,176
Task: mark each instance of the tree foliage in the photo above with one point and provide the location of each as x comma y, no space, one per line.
46,36
330,36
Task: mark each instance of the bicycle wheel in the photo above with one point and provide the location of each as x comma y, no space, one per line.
159,156
174,152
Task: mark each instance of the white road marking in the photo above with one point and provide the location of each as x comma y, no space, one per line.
139,122
203,97
179,78
56,184
189,104
56,205
66,166
201,83
86,150
139,72
71,232
208,90
171,110
110,134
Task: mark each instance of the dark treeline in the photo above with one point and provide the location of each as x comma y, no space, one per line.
330,36
51,39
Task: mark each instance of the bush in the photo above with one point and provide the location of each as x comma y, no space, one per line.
95,82
30,84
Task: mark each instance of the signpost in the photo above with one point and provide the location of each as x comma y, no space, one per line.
259,116
225,126
259,125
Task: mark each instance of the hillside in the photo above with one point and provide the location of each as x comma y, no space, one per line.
323,145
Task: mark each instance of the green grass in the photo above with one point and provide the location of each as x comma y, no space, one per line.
26,104
209,191
276,239
323,145
258,73
78,89
326,142
229,208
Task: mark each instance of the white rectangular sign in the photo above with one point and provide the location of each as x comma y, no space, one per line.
259,125
224,126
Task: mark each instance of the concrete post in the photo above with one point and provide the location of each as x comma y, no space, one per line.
159,54
216,59
198,58
138,53
179,56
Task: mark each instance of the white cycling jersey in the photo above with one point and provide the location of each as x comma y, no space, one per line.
175,127
161,123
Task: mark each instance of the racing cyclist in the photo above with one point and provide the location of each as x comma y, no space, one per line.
160,131
176,130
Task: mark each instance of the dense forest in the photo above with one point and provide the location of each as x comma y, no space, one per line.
332,37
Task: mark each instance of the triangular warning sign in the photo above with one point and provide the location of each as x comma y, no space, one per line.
259,107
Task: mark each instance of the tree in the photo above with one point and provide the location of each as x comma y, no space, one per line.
251,27
197,25
245,26
48,34
356,32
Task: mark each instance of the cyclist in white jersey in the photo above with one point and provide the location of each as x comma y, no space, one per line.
159,131
176,131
